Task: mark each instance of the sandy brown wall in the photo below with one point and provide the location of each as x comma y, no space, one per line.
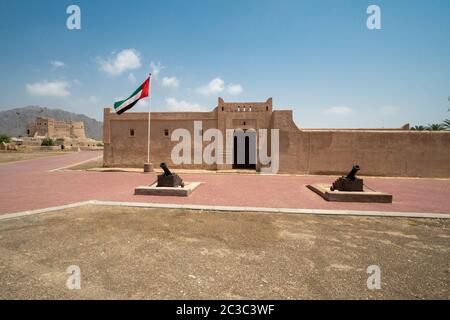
379,153
77,130
131,151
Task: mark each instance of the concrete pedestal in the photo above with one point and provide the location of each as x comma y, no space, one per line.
148,167
153,190
324,191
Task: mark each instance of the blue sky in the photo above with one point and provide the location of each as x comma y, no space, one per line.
315,57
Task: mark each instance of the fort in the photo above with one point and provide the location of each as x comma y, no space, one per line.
51,128
381,152
70,134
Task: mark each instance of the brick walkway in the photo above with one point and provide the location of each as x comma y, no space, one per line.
29,184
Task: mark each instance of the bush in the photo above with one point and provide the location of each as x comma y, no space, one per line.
47,142
99,144
5,138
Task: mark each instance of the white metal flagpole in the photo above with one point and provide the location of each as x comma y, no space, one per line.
149,108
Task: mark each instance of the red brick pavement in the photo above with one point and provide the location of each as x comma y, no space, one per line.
29,184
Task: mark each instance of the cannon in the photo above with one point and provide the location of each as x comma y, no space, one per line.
352,174
349,182
166,169
168,179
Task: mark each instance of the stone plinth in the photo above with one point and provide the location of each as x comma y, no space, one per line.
153,190
324,191
148,167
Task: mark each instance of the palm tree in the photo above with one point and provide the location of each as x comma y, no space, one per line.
435,127
446,124
418,128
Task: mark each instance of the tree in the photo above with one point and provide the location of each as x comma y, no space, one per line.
446,124
5,138
418,128
47,142
435,127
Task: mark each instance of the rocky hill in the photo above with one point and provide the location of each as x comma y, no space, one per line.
14,122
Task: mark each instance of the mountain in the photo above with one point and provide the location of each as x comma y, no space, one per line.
14,121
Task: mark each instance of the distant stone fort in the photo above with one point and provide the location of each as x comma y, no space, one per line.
51,128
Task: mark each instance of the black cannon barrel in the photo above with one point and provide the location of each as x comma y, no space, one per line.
163,166
352,174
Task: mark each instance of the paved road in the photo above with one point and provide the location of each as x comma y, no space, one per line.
30,184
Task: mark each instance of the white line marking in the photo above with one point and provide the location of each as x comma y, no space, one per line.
230,209
76,164
44,210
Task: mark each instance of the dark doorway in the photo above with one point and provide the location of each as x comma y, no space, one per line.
249,142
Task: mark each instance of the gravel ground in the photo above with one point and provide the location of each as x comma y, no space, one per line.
11,156
137,253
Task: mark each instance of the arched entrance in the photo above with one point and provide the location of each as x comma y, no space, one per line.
244,149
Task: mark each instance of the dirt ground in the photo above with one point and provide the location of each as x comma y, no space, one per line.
10,156
137,253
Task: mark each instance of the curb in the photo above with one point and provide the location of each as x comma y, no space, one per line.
76,164
321,212
20,214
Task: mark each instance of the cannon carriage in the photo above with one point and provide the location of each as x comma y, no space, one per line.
349,182
168,179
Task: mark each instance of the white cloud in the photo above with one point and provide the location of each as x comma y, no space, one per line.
234,88
155,69
217,85
170,82
49,89
173,104
57,64
338,111
131,77
126,59
143,103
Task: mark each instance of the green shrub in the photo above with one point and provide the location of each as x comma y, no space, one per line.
99,144
47,142
5,138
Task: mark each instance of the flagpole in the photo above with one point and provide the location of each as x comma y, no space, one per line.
149,109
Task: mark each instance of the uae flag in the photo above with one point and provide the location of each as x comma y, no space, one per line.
141,92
